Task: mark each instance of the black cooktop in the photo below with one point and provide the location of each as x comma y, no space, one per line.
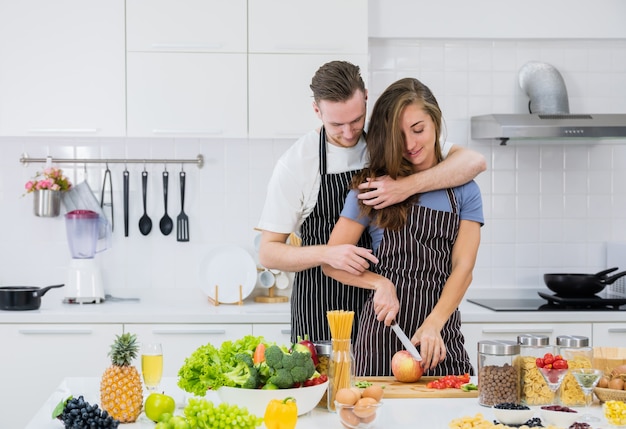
552,302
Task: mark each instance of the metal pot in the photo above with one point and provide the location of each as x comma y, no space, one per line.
19,298
580,285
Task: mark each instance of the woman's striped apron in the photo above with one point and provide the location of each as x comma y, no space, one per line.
417,259
314,293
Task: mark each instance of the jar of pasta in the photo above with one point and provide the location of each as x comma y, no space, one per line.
324,350
579,354
498,372
535,390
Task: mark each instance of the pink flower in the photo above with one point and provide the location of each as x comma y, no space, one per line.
51,178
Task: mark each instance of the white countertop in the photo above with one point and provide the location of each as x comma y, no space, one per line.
395,413
189,306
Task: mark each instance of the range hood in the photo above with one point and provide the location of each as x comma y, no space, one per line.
549,115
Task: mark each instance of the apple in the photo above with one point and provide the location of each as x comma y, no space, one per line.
158,404
405,368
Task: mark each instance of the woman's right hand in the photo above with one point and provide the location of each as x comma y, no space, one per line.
386,304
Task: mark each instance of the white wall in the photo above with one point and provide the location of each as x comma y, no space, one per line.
548,206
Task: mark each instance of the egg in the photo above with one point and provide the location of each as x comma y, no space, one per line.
604,382
346,396
365,407
373,391
346,415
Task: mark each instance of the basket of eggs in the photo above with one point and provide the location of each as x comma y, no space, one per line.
612,360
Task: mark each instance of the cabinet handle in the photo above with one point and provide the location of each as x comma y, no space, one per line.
55,331
617,331
518,331
311,48
190,46
63,130
208,132
285,331
189,331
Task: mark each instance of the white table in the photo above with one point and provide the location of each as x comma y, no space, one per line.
395,413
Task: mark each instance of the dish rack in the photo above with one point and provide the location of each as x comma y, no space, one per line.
616,257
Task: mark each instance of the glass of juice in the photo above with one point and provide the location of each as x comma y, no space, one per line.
151,365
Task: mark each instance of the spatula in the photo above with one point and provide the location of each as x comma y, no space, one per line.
182,221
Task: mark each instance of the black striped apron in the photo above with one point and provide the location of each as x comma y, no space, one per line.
417,259
314,293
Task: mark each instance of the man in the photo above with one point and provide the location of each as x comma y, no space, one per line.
307,191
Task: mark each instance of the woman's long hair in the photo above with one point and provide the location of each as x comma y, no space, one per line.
386,145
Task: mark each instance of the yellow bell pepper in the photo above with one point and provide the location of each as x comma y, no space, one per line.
281,414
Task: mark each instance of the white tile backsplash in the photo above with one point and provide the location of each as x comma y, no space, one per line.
548,205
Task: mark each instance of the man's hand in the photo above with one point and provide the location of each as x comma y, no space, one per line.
384,192
349,258
386,304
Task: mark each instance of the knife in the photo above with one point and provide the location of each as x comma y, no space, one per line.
408,345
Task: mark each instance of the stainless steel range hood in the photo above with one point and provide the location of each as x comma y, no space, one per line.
550,117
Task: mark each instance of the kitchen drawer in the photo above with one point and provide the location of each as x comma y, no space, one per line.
609,334
36,357
475,332
274,332
179,341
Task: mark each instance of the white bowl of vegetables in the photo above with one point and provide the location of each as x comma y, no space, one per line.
250,373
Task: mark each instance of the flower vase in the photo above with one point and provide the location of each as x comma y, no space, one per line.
47,203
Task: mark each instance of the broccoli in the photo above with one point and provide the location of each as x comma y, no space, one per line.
243,374
287,369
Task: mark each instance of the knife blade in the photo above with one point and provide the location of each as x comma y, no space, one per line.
408,345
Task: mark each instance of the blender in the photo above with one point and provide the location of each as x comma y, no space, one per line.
84,280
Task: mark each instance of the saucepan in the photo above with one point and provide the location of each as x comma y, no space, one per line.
580,285
22,297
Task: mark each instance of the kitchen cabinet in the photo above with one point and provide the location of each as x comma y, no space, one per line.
179,341
187,68
475,332
63,68
609,334
287,42
36,357
273,332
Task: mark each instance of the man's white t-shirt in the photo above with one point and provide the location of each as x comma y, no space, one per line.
294,186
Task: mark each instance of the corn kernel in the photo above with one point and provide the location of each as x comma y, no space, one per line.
615,412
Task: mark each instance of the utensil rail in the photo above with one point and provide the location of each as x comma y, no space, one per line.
198,160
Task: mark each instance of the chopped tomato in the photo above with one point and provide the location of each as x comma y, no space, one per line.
449,381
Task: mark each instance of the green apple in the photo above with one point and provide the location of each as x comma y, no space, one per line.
158,404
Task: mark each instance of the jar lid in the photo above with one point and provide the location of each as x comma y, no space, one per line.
533,340
498,347
572,341
324,348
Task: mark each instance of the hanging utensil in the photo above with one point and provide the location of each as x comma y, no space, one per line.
182,221
107,183
126,180
145,223
166,224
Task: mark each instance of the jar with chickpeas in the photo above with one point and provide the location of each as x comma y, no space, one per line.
579,354
534,389
498,372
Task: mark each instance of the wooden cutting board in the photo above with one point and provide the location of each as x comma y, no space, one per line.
395,389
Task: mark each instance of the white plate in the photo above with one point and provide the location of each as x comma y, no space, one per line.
228,267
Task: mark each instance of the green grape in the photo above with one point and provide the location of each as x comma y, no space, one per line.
203,414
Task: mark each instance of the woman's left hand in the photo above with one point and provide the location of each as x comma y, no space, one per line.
432,347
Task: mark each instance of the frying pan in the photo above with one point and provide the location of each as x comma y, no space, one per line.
22,297
580,285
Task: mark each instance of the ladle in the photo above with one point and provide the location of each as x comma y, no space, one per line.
166,224
145,223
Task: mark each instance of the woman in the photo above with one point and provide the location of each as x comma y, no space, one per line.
426,246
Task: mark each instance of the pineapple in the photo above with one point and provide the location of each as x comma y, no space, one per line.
121,391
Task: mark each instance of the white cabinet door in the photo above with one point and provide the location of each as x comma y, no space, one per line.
187,94
179,341
274,332
280,99
609,334
186,25
36,357
475,332
322,26
63,68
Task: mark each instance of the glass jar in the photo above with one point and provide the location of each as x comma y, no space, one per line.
534,389
324,350
340,369
576,350
498,372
